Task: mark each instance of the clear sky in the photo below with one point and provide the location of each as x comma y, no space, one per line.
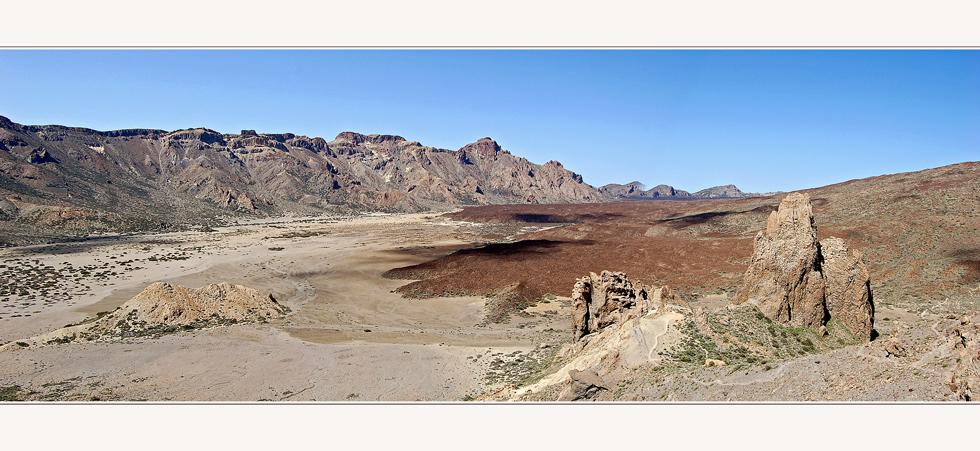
764,120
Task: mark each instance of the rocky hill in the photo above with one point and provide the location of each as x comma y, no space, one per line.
84,181
636,191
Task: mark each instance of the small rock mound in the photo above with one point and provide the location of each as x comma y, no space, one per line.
507,301
162,303
162,308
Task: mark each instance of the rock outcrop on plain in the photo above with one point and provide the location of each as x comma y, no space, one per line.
599,301
174,305
163,308
794,281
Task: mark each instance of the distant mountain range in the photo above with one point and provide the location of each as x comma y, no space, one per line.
636,191
56,179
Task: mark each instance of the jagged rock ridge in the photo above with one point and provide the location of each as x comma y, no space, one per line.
795,279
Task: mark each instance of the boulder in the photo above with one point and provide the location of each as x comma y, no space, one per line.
895,347
581,385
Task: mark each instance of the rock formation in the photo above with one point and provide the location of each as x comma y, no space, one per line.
618,324
599,301
784,278
792,280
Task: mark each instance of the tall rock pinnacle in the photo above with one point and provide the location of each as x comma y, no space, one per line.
793,280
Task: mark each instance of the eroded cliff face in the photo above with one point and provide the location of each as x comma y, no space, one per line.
154,176
794,279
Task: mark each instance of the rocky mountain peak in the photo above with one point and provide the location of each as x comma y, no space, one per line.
729,191
485,147
350,137
631,189
637,190
203,134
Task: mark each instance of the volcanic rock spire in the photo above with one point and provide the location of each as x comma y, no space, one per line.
794,281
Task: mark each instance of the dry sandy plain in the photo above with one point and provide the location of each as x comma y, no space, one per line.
348,337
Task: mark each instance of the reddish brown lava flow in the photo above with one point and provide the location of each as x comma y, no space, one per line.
657,242
916,230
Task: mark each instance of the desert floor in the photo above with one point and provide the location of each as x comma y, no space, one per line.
347,338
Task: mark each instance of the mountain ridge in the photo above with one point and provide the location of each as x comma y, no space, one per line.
635,191
148,179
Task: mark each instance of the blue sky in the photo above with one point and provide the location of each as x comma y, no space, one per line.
764,120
